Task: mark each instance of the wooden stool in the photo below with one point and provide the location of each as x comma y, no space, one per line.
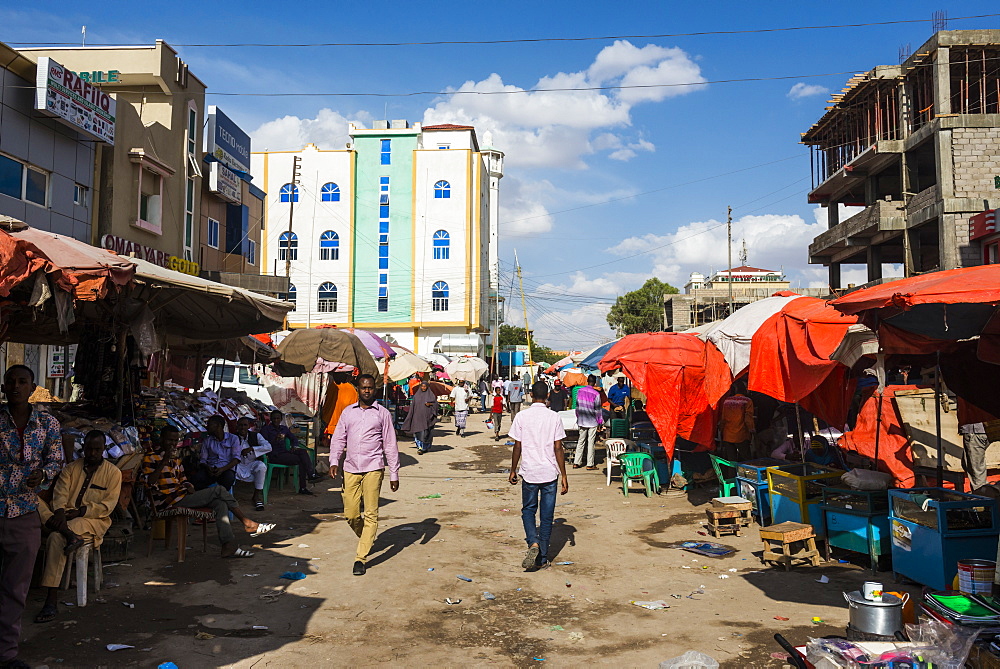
724,521
177,517
744,506
789,541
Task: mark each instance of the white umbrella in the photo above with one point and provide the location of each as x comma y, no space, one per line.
406,364
436,358
470,369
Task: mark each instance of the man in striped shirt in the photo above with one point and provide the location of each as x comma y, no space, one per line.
589,418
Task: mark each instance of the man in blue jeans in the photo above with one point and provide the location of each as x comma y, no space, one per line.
539,459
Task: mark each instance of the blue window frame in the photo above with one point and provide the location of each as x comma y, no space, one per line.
288,246
383,279
384,183
383,227
213,233
326,298
383,298
439,296
329,246
383,263
383,250
442,190
442,245
330,192
291,294
383,211
251,252
386,152
289,193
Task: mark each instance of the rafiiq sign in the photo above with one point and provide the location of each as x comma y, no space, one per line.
78,103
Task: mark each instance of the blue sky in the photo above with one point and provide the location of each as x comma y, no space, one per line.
665,162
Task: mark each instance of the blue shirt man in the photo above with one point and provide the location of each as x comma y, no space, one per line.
618,395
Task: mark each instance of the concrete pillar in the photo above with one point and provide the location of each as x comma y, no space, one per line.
911,252
942,81
874,262
832,214
835,276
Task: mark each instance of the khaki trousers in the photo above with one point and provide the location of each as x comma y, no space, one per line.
358,488
55,560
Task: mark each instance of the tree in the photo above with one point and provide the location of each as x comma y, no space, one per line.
510,335
640,310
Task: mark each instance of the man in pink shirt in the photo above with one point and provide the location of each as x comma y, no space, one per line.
539,459
366,434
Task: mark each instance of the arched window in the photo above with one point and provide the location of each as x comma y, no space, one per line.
327,298
439,296
442,244
329,246
291,294
330,192
289,192
442,189
288,246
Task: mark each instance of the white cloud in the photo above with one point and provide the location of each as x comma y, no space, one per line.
522,213
803,90
288,133
556,129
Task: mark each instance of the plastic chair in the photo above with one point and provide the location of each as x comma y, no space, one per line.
619,428
728,485
282,471
639,466
80,557
614,449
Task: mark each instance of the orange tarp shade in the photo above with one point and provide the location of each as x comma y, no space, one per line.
967,285
678,373
790,358
895,456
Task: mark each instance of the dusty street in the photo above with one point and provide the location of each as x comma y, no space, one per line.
203,613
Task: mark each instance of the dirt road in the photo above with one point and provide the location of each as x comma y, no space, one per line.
209,612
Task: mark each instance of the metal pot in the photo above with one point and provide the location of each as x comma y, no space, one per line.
883,618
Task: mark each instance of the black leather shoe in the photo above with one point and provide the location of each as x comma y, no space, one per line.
359,568
306,491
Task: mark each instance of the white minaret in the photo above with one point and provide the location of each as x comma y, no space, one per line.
494,162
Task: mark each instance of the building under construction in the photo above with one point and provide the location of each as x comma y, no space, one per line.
918,146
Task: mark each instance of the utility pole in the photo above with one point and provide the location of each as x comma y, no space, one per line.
296,161
729,252
524,307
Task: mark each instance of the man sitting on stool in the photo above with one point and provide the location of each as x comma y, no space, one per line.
84,496
220,453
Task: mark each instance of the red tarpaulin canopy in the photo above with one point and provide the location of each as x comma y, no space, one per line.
955,286
894,453
790,358
84,270
678,373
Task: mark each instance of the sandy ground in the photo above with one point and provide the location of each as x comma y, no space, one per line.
202,613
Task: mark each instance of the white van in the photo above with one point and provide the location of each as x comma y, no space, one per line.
231,374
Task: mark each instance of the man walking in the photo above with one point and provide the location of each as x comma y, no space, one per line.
589,418
461,396
541,463
31,456
515,395
367,439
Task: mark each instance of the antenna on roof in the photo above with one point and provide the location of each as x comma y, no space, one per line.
743,253
939,20
84,33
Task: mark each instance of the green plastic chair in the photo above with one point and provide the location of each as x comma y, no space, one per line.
619,428
639,466
728,485
282,471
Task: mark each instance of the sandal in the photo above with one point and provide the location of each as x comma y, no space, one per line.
47,614
239,553
263,528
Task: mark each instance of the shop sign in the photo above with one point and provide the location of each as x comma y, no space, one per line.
101,76
227,142
72,99
225,182
983,224
57,365
124,247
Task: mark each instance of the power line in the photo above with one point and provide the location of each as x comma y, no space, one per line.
533,40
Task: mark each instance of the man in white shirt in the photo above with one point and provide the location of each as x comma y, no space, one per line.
461,394
250,468
541,462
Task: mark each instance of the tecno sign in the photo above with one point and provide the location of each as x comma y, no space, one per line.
124,247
